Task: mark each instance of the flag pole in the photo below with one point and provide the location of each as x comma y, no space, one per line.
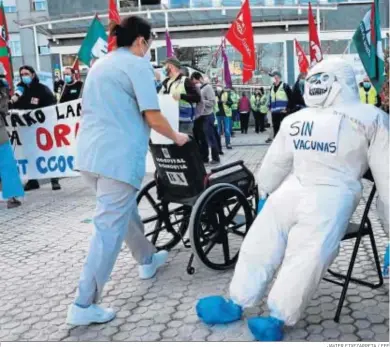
318,22
347,48
38,63
213,57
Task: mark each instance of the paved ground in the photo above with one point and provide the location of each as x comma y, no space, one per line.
43,245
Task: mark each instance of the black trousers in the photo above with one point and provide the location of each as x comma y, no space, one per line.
262,122
277,119
256,116
200,138
35,182
244,118
218,137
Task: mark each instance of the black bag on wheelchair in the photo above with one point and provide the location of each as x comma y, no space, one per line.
180,171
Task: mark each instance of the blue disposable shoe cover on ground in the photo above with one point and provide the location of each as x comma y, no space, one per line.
266,328
218,310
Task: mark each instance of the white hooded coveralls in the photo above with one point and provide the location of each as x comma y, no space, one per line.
313,172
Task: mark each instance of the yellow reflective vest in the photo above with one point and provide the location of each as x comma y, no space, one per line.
368,97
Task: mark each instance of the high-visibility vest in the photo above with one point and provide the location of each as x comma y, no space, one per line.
279,100
264,104
224,99
255,103
186,110
235,98
368,97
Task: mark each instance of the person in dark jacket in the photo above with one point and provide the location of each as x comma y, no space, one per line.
33,95
297,101
73,88
181,88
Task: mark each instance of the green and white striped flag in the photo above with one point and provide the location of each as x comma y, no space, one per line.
368,42
95,44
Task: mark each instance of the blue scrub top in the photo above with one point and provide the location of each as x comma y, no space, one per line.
113,137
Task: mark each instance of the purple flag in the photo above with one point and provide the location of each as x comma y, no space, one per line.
170,51
226,70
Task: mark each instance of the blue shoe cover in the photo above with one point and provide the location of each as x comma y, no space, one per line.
218,310
266,328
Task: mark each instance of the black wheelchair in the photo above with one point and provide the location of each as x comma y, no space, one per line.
217,208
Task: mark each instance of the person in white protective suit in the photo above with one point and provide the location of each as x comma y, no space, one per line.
312,176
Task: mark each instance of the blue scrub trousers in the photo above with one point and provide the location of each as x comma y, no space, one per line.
116,220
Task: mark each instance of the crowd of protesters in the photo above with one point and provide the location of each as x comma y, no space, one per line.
30,94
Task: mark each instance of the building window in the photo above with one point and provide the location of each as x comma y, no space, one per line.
9,6
15,45
9,9
39,5
43,45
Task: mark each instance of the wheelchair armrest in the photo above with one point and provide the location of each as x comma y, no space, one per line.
227,166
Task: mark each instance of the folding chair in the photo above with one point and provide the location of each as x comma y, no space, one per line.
358,231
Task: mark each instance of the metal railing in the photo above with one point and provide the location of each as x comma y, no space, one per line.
175,4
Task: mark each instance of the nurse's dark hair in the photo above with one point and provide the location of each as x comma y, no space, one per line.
130,29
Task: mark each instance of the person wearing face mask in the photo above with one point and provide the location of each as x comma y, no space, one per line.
255,106
298,91
34,95
11,185
312,174
368,94
224,115
73,88
206,120
181,88
280,101
120,107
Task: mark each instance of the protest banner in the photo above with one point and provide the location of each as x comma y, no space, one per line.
44,140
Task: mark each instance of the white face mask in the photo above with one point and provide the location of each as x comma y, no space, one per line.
147,55
219,89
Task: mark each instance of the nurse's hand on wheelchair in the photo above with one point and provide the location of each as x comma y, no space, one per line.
181,139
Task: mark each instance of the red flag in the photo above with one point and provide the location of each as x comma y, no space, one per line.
315,44
76,67
113,19
5,53
302,59
240,35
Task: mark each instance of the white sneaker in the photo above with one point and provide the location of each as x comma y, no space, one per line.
149,270
89,315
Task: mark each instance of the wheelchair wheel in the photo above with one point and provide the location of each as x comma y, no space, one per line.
165,223
219,222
